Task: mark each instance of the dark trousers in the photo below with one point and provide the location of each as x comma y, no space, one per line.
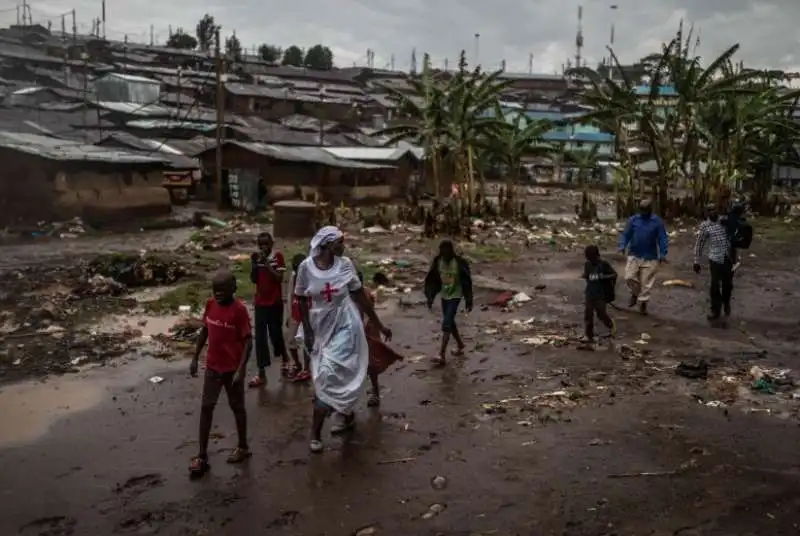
721,284
269,324
595,305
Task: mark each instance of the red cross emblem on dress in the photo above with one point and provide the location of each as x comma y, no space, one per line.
328,292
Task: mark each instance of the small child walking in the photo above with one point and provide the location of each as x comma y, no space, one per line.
228,331
380,355
601,279
294,322
449,276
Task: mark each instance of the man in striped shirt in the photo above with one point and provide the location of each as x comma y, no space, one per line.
712,233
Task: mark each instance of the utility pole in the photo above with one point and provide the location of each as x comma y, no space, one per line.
392,62
104,19
477,49
530,63
220,117
63,28
579,38
151,35
24,12
74,29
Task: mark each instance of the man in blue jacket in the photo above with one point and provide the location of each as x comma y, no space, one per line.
645,241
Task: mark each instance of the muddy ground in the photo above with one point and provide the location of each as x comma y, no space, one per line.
532,432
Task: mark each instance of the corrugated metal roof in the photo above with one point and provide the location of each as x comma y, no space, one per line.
373,154
266,92
314,155
166,123
58,149
663,91
130,78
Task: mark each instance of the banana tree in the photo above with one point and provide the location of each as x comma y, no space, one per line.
520,136
586,162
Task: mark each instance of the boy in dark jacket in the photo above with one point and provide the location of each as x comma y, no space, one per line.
449,276
600,279
266,272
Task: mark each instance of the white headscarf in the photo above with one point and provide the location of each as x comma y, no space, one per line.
324,236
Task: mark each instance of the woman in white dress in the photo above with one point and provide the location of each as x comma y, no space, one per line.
330,296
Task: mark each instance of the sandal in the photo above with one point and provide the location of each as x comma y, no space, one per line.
316,446
373,401
198,468
291,371
239,455
302,376
257,381
345,425
286,368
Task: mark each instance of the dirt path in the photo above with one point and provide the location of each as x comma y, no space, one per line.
58,250
537,437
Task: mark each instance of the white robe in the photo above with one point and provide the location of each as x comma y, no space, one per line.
340,355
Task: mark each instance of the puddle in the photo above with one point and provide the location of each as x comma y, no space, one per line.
31,408
566,275
147,325
151,294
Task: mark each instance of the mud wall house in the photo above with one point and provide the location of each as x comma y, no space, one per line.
293,173
401,169
45,178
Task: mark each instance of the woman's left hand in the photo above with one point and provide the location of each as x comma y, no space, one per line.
387,333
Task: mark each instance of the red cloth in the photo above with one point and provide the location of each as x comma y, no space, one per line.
296,315
380,355
228,330
269,291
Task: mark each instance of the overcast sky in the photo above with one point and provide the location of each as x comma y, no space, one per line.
509,29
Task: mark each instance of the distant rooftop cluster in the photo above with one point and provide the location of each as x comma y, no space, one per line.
86,88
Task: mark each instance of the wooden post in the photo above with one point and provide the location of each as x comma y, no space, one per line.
220,119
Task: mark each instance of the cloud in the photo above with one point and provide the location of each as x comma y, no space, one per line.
509,29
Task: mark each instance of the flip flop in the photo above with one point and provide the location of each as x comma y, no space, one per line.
198,468
239,455
316,446
302,376
257,381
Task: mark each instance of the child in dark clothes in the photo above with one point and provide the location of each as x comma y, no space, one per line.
600,279
293,324
267,274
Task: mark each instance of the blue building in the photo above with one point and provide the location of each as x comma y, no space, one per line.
573,137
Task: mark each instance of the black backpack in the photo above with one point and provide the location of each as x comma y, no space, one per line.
742,235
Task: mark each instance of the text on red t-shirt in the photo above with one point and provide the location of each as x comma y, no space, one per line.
269,291
228,330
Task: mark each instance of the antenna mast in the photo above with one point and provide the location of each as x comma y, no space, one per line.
579,38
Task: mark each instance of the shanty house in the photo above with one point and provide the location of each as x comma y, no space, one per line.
47,178
261,173
404,161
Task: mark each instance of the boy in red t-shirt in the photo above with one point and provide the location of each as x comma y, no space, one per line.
226,327
267,274
304,372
